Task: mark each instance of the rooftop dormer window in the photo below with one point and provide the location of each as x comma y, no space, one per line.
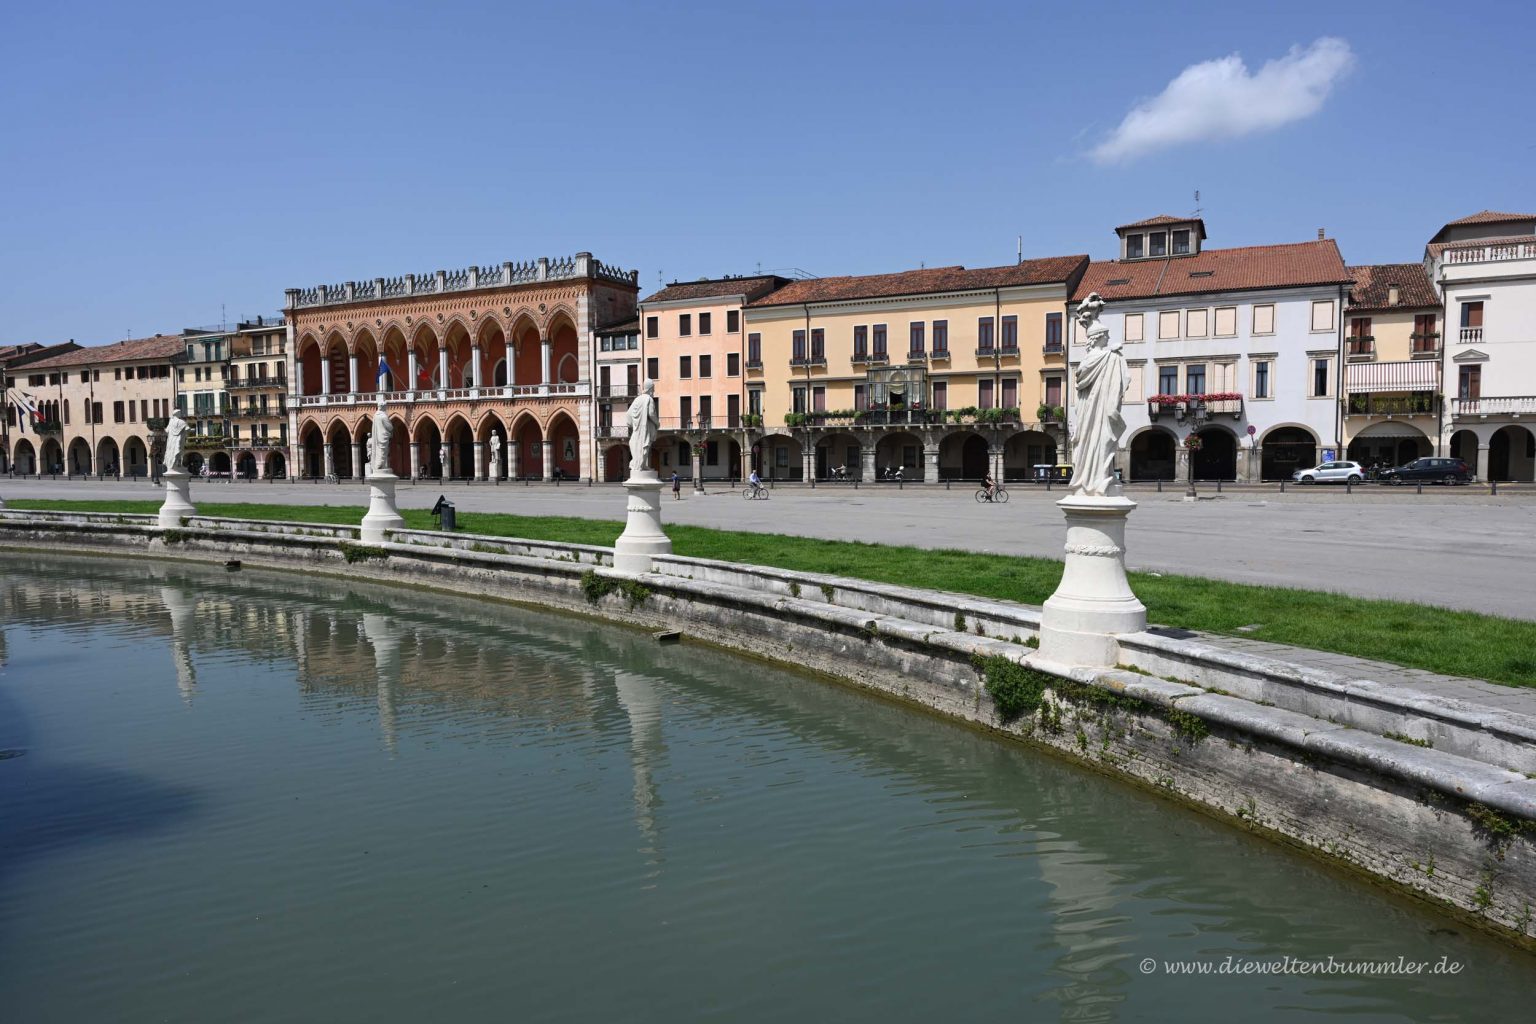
1133,247
1157,243
1181,243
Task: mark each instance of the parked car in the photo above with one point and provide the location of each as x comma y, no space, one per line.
1447,471
1331,473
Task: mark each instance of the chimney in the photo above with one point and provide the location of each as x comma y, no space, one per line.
1321,234
1393,296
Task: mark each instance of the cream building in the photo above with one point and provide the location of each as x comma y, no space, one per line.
105,403
257,387
942,373
1392,405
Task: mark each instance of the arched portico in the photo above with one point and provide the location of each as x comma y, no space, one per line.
564,446
1024,451
460,442
901,450
839,451
24,458
1512,454
963,455
1386,444
312,444
429,441
135,457
80,460
1217,456
1286,449
108,459
779,457
1154,454
277,466
528,445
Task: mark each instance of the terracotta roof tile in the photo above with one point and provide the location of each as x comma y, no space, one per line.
1051,270
1485,217
630,326
1218,270
1373,286
752,287
161,346
1163,218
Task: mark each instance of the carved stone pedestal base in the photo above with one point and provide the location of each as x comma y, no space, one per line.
382,512
1094,601
642,537
178,498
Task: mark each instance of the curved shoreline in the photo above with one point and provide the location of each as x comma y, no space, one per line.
1428,796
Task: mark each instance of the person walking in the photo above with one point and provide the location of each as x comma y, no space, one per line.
677,486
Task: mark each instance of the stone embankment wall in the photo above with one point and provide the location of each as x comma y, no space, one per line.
1435,797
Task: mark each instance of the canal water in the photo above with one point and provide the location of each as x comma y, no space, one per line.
268,797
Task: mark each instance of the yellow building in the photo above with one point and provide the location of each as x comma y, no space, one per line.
1392,410
202,372
936,374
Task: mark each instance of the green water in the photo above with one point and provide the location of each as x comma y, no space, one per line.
265,797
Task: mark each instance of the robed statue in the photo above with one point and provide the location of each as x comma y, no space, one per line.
383,430
175,430
643,427
1101,382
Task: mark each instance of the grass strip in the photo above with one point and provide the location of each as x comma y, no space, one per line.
1412,635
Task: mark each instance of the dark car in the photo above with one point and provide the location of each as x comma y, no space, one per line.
1450,471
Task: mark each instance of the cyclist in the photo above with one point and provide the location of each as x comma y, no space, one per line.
755,482
988,486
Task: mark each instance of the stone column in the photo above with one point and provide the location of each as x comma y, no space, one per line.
352,373
930,463
698,470
476,380
359,451
330,461
549,460
514,459
867,462
445,456
1482,462
325,375
415,447
411,371
479,460
808,462
442,368
547,353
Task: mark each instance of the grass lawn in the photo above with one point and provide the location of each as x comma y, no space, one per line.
1412,635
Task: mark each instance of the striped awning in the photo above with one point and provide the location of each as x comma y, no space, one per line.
1415,375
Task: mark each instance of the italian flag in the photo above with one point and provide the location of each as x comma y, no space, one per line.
29,403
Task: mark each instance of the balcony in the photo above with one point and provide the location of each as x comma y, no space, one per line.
1009,352
48,427
620,394
1053,348
1425,346
803,361
259,382
1376,403
1362,348
614,430
1470,335
986,351
869,359
1513,406
1491,253
940,353
573,389
695,422
754,364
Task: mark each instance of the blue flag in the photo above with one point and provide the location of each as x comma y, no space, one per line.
383,375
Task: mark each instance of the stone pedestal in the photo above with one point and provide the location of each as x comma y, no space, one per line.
382,512
642,537
178,498
1094,600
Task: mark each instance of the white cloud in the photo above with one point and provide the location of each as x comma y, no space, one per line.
1219,99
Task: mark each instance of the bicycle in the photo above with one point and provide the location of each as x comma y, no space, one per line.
753,492
998,495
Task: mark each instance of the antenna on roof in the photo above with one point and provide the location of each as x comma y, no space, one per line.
1197,204
1021,248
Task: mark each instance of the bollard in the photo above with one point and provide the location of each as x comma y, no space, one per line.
1159,487
1421,486
1218,486
1349,487
1282,486
946,483
901,484
1495,489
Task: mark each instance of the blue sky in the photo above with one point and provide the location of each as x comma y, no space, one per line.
159,160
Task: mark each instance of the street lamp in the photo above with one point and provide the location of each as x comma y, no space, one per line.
1191,445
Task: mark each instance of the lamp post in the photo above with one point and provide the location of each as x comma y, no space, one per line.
1191,445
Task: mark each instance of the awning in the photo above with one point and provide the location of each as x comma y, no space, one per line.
1390,430
1416,375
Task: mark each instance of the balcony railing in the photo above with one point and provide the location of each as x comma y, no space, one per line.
939,352
622,393
1376,403
1362,347
1009,351
1504,405
259,382
1425,346
1053,348
1492,253
1470,335
48,427
986,351
803,361
577,389
754,364
618,430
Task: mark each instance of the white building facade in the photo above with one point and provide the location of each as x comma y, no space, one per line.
1484,267
1241,347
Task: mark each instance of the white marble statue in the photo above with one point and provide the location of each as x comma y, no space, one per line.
175,429
495,456
1101,382
383,431
643,427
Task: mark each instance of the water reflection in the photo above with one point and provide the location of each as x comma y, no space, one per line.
776,828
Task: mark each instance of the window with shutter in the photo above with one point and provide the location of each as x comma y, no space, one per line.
1226,321
1322,315
1133,326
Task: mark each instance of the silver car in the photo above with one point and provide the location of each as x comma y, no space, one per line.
1331,473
